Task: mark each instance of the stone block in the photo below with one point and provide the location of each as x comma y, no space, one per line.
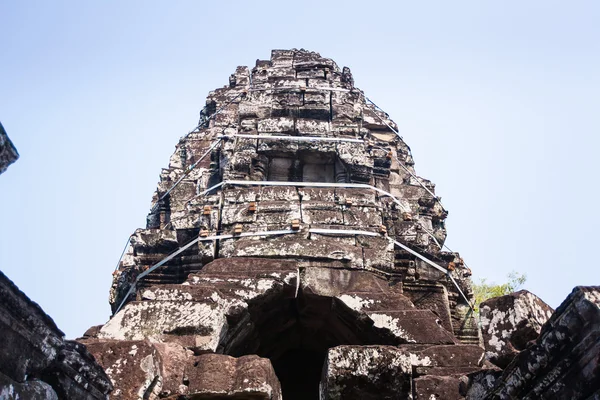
279,214
219,376
563,361
288,99
276,125
430,296
437,387
414,326
281,73
358,216
279,193
317,97
318,110
141,320
319,73
282,58
151,241
317,194
32,389
133,366
238,213
509,322
366,372
308,127
249,267
322,212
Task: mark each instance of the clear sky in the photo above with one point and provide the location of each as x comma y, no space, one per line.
499,101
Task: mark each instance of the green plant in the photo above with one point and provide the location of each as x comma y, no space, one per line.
483,290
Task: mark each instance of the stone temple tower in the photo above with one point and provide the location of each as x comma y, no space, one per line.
291,251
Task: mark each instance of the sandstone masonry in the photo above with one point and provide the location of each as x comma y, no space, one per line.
291,251
309,241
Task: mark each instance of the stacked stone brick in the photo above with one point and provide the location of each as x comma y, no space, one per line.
292,252
319,285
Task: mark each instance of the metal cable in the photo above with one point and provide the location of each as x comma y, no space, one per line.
212,115
287,232
305,184
123,253
382,120
187,246
187,172
401,164
296,138
271,183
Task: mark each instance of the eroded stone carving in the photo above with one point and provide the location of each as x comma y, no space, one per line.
297,152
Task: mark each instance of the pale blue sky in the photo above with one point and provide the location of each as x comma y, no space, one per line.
498,100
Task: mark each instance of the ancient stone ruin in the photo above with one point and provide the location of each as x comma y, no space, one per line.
302,236
36,362
292,252
8,152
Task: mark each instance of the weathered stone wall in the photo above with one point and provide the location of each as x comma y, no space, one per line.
36,362
292,252
299,94
8,152
563,362
290,146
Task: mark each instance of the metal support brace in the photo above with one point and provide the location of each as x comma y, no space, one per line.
431,235
348,232
306,184
296,138
210,189
186,173
313,184
123,253
301,88
434,265
214,114
382,120
187,246
402,246
405,168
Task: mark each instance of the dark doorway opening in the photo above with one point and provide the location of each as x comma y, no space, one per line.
299,373
295,333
